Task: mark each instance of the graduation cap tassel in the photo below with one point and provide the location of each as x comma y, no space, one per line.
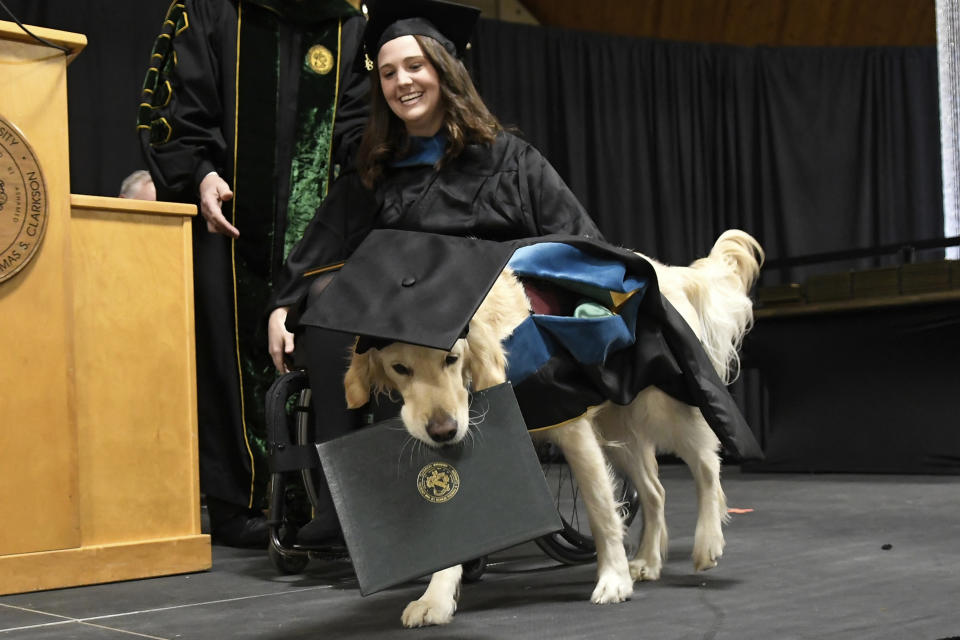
367,62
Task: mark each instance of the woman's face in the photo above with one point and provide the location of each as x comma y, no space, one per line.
410,86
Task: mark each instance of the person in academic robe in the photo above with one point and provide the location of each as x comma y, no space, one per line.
249,108
432,158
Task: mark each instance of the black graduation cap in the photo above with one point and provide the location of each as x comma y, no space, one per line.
448,23
409,286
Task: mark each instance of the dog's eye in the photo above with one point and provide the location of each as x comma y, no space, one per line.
449,360
402,370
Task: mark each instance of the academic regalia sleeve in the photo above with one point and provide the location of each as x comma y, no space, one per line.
552,204
353,107
181,120
339,226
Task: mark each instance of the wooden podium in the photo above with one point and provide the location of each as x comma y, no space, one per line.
98,425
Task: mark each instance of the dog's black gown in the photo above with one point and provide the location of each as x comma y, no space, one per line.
508,197
574,352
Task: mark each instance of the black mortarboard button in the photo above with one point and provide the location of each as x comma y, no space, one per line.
448,23
408,286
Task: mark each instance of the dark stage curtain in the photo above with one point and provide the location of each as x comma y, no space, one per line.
103,82
668,144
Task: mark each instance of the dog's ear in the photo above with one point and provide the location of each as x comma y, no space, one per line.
358,380
486,362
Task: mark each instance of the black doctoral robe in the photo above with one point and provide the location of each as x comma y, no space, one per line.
266,94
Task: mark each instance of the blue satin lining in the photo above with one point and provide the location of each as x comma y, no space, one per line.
589,341
424,151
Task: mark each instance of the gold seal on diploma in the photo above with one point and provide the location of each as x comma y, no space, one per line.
23,201
438,482
320,59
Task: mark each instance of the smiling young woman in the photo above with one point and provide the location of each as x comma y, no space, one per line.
432,158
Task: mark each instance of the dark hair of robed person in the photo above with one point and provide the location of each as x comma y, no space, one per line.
467,119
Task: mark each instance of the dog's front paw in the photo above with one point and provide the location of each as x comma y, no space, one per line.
640,569
428,611
707,551
611,587
706,559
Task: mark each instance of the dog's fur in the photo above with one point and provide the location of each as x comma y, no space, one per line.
711,295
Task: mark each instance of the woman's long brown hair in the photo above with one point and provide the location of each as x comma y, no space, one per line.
466,118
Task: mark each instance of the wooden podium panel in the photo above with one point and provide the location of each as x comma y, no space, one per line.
38,447
135,369
98,425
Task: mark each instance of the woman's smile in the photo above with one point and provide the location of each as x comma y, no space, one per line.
410,97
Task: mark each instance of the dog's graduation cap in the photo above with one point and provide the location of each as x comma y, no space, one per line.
409,286
448,23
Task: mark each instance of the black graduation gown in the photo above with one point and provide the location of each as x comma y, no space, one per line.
503,191
249,89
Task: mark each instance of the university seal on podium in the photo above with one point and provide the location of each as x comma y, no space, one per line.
23,201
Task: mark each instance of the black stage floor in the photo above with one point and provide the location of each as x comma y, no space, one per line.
820,556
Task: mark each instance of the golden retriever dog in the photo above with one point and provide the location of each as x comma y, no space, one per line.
711,295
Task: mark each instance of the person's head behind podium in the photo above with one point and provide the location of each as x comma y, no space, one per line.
138,186
419,86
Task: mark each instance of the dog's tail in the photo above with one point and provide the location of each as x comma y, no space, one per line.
722,298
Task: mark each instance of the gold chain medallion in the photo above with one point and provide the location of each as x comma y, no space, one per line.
438,482
23,201
320,59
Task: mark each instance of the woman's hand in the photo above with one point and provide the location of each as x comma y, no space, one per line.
214,191
279,340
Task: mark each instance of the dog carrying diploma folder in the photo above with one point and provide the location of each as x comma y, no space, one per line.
408,510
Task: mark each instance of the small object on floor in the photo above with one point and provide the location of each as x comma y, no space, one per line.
887,547
236,526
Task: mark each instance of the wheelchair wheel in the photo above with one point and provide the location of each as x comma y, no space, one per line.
574,543
287,563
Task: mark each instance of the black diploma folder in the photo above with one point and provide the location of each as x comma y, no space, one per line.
408,510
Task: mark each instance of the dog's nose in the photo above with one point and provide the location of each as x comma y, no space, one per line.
441,427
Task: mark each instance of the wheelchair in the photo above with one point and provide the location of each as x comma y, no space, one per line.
294,476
